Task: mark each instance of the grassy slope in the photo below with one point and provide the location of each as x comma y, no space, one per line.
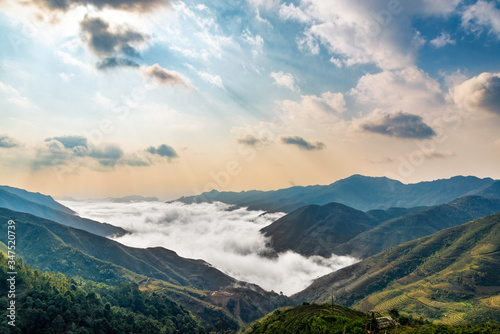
450,276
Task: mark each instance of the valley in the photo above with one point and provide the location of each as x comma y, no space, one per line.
438,262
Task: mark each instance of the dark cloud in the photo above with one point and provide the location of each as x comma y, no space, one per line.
113,62
76,151
108,155
163,151
253,141
400,124
163,76
70,141
8,142
302,143
114,47
129,5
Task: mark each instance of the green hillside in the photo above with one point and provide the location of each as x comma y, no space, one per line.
334,319
52,303
452,277
316,230
418,224
51,246
206,291
306,319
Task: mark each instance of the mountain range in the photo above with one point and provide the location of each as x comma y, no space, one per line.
449,274
360,192
45,207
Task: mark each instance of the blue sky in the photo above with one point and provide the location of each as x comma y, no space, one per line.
171,98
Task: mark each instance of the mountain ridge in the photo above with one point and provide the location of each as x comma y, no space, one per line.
461,261
357,191
14,202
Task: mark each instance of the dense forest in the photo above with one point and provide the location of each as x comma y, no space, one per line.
52,303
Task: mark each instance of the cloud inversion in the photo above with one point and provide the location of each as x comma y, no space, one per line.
228,239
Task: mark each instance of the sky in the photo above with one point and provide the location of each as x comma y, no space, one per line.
227,239
171,98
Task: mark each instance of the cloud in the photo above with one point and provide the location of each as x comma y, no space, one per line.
129,5
481,15
442,40
108,155
71,142
363,32
250,140
163,151
409,89
316,108
112,46
302,143
256,42
400,125
163,76
8,142
227,239
14,96
480,93
112,62
285,80
76,151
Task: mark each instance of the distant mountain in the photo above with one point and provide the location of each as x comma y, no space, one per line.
493,191
317,230
19,200
451,276
357,191
132,199
38,198
418,224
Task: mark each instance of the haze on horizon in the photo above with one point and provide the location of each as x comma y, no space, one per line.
169,98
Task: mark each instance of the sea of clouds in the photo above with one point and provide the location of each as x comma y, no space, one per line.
227,239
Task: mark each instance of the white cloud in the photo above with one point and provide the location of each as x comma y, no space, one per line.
291,12
480,15
285,80
442,40
229,240
313,109
481,92
336,62
14,96
377,32
255,41
410,90
213,79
